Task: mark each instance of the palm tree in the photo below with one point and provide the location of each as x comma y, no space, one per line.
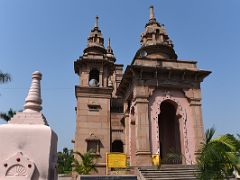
7,116
87,163
4,77
219,156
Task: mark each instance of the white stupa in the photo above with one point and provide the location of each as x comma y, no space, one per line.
28,145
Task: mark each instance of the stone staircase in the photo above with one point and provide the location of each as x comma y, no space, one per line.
169,172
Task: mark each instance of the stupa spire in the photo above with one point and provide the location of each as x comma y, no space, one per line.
33,105
33,101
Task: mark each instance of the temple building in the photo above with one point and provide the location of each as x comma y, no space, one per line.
154,107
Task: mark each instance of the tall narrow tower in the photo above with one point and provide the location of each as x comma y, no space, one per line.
95,69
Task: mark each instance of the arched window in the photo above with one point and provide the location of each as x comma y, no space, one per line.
94,78
95,38
117,146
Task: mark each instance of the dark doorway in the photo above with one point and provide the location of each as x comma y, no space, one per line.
169,136
117,146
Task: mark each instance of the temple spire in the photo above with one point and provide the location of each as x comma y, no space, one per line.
109,49
110,54
33,101
155,35
151,16
109,46
95,39
96,22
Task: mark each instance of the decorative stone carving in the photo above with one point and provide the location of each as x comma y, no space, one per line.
168,95
18,165
17,170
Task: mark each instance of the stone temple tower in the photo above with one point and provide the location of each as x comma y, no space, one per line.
162,100
98,81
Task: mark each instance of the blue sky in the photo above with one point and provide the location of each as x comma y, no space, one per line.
50,35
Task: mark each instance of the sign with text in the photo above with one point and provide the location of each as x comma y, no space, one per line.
116,160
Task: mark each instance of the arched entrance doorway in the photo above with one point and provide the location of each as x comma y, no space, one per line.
117,146
169,136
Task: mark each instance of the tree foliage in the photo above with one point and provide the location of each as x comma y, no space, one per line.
219,156
87,163
8,115
65,160
4,77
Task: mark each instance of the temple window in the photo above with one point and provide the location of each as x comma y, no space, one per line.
93,144
93,78
94,107
117,146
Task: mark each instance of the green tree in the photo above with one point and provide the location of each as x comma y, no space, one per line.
86,165
4,77
65,160
8,115
219,156
238,139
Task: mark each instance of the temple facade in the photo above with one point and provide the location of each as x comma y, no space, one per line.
154,107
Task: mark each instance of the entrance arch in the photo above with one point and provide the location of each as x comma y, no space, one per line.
184,116
117,146
169,134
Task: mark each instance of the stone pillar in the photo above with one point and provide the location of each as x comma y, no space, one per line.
126,132
105,77
126,129
100,79
194,95
30,145
84,78
143,153
198,123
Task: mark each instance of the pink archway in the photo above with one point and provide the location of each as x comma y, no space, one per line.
183,112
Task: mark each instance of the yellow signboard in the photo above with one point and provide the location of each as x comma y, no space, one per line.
116,160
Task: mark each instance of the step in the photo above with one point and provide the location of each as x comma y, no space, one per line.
168,170
191,175
171,167
183,178
164,174
171,172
